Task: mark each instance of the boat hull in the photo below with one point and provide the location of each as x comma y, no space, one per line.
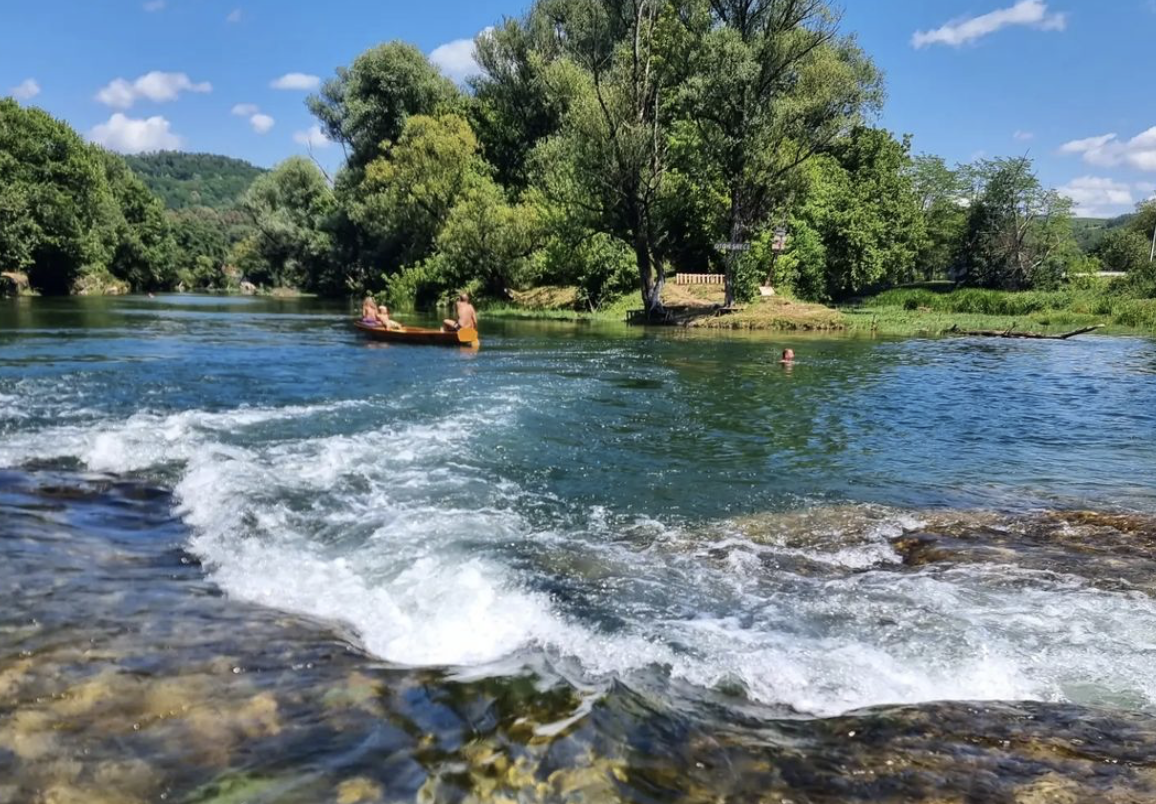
420,335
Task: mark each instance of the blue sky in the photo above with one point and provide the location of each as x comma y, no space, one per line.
1067,81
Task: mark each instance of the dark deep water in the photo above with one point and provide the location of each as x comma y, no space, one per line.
247,557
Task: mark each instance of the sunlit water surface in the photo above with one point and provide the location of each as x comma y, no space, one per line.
247,556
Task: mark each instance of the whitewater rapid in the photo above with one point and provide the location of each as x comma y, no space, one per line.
398,530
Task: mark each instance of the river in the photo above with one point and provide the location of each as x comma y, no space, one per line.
247,556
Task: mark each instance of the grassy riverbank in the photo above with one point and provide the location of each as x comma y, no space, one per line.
929,310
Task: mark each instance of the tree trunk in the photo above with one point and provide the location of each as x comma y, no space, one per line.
650,279
731,256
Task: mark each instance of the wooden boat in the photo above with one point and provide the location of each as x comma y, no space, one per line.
420,335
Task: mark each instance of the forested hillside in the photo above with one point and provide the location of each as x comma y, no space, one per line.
183,180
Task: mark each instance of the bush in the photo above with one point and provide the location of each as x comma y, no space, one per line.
1136,313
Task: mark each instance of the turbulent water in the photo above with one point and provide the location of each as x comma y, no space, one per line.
250,557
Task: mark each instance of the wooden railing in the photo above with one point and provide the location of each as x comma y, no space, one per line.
700,279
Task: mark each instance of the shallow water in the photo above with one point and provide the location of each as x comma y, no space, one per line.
250,557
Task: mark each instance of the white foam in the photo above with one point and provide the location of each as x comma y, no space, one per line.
390,530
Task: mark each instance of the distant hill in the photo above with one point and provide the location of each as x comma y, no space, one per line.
1090,231
184,180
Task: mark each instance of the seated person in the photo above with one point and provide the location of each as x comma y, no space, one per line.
384,319
467,316
369,311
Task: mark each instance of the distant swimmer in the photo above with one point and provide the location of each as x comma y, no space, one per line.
788,357
467,316
369,311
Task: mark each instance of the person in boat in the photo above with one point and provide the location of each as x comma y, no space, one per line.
467,316
369,311
384,319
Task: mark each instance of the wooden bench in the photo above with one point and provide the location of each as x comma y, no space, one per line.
700,279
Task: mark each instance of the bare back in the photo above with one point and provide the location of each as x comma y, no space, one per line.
467,316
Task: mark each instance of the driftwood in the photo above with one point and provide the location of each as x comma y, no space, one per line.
1011,333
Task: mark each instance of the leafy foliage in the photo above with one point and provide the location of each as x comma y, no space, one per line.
367,104
71,212
858,225
291,208
1019,235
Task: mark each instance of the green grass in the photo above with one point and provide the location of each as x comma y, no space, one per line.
920,310
928,309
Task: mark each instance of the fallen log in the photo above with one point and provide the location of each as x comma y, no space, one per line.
1010,333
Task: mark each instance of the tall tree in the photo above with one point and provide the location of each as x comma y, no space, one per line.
609,162
291,208
144,254
1019,234
56,207
367,104
939,191
408,192
858,224
770,83
521,96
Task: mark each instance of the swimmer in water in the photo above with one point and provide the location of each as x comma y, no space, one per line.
788,357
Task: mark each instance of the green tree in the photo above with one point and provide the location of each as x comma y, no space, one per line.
858,225
939,191
487,244
1123,250
407,193
367,104
59,216
145,251
291,208
769,83
522,94
1143,221
1019,234
608,163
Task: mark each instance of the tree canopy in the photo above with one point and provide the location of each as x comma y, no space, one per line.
604,145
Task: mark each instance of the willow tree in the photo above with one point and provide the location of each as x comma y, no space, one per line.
769,83
609,161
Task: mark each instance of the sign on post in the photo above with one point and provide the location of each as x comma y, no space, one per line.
733,246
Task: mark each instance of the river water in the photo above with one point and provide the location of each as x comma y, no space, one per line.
246,556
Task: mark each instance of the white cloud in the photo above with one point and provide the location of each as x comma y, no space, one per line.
155,86
313,137
458,59
1097,197
1108,150
26,89
1032,13
234,15
298,81
261,123
154,5
1024,136
131,136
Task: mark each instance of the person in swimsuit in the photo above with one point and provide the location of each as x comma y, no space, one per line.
467,316
369,311
384,319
